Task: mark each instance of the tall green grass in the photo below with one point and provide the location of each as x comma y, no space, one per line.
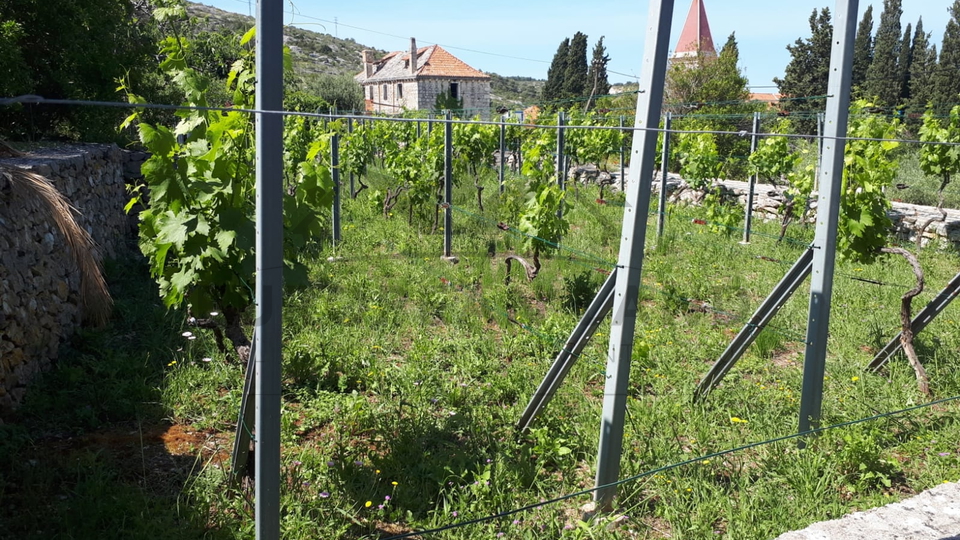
404,375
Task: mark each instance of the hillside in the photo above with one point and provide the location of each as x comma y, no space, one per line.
313,52
317,53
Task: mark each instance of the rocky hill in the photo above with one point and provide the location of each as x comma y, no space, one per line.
317,53
313,52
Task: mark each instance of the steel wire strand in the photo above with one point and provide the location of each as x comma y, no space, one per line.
672,466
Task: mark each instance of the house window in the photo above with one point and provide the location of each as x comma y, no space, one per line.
455,90
383,92
371,94
400,90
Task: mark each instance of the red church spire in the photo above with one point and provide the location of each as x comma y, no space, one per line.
695,36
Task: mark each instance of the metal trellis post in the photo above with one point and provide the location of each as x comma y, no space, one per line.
770,306
570,352
630,260
664,168
269,265
335,172
828,210
503,149
448,186
748,215
353,192
560,168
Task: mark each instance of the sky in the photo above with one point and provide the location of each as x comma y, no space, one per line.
520,37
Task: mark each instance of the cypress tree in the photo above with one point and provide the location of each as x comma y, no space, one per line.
883,78
575,79
903,64
946,83
553,88
597,73
862,49
921,74
807,73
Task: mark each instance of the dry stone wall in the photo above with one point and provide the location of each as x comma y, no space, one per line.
909,220
39,280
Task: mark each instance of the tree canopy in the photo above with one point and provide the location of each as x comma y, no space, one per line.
69,50
805,78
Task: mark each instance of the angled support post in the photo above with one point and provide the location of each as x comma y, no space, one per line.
581,335
828,211
632,241
926,315
777,298
246,426
269,265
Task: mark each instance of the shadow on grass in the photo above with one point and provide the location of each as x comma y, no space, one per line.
89,455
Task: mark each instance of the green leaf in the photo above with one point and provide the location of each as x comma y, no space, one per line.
248,35
225,239
174,228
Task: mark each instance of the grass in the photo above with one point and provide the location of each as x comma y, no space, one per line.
404,375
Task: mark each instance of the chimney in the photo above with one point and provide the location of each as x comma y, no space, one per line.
413,56
367,63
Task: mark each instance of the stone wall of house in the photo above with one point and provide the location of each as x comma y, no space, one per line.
39,280
475,94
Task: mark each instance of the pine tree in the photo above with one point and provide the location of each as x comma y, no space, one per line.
575,79
921,75
553,88
903,64
807,73
946,83
597,73
883,78
862,49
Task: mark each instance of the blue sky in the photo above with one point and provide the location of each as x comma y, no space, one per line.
521,37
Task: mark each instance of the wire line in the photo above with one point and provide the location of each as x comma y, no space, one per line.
672,466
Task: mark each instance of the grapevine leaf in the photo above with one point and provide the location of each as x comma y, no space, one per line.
174,228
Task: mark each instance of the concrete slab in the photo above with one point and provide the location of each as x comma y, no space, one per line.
931,515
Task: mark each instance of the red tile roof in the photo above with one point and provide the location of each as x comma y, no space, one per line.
432,61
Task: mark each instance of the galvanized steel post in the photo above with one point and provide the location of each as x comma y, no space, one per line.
748,214
828,210
335,172
353,193
632,240
503,149
559,166
664,168
269,265
448,185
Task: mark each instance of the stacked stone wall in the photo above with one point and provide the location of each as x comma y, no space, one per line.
39,280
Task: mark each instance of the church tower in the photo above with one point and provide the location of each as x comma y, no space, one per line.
695,38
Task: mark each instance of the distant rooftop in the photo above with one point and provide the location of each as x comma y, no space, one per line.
432,61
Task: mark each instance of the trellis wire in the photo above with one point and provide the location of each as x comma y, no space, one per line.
676,465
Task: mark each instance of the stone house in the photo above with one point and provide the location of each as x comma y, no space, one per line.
393,84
